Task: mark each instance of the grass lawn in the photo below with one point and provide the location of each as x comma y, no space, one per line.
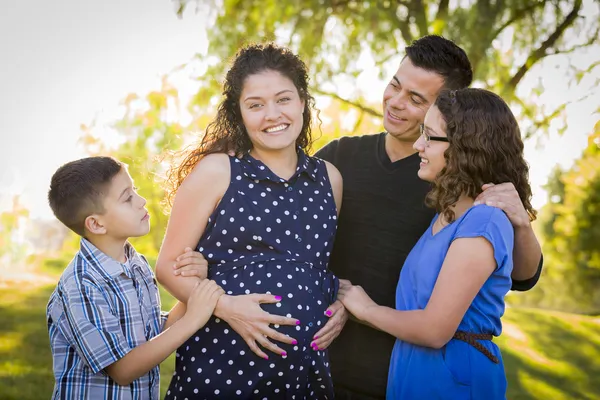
548,355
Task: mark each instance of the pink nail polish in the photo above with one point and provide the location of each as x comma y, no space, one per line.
298,322
294,341
316,337
266,357
278,298
328,313
284,354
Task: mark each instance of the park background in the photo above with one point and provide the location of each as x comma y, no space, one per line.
137,79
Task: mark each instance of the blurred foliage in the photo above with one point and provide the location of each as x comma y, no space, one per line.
570,226
503,39
341,41
12,248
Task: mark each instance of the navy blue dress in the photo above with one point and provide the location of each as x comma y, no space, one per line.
267,235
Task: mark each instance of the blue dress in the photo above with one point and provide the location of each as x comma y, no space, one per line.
457,371
267,235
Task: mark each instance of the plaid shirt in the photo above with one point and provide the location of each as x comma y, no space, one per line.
100,310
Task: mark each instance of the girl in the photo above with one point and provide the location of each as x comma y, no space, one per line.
450,295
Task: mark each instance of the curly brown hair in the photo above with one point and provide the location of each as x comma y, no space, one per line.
485,146
227,133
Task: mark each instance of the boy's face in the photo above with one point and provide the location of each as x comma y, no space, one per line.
124,214
406,99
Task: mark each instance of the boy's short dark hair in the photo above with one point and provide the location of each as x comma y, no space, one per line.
442,56
78,188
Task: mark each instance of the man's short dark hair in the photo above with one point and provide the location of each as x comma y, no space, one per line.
78,189
442,56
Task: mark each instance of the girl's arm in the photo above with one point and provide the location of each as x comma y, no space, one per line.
468,264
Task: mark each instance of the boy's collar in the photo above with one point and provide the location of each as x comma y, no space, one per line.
108,265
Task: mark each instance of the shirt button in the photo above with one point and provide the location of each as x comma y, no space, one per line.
299,240
310,324
297,213
289,189
306,357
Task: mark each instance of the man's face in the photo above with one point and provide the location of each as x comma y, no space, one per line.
406,99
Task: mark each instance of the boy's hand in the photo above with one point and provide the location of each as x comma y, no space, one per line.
191,263
202,302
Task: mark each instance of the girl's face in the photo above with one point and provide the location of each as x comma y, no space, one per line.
430,147
271,111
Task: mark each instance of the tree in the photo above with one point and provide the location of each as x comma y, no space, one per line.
504,39
570,225
13,249
147,131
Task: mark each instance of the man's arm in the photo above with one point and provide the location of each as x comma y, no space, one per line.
527,253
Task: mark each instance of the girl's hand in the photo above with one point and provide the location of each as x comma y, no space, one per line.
355,299
191,263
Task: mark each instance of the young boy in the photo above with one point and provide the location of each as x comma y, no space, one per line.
104,316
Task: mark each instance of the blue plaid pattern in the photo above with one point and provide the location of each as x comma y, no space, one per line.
100,310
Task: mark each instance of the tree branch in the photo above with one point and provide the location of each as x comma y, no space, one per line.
440,17
361,107
593,39
542,51
420,13
404,26
517,15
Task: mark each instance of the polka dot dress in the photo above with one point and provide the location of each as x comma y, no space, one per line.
268,235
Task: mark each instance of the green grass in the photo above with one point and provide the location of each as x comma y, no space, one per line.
548,355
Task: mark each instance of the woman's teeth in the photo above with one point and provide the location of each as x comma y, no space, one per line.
276,128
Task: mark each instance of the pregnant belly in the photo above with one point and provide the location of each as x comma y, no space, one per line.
306,292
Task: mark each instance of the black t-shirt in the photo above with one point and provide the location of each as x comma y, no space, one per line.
383,216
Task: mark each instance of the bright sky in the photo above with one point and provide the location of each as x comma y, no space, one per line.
66,62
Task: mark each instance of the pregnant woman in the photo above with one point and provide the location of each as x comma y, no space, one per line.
265,220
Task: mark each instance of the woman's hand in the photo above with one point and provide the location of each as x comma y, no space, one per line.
337,320
245,316
355,299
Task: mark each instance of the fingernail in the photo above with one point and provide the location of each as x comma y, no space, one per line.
315,337
298,322
266,357
328,313
294,341
278,298
284,354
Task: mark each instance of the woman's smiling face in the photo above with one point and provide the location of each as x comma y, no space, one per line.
271,110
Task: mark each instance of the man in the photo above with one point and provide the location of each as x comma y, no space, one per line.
383,213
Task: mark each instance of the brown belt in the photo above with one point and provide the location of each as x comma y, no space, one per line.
472,339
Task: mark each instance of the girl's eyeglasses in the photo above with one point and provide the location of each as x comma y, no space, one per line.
428,138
